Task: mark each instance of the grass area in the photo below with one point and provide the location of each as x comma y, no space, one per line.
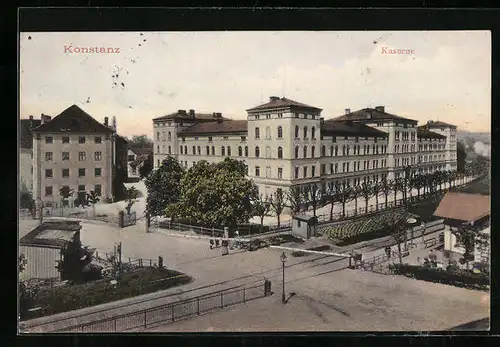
136,282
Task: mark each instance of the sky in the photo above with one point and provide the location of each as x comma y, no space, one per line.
446,76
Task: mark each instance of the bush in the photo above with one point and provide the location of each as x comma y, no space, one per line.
137,282
454,277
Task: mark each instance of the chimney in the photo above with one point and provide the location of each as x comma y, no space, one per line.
31,117
106,121
273,98
347,111
45,119
219,115
380,109
322,120
191,113
181,111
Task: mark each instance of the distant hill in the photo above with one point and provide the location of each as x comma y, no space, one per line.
469,137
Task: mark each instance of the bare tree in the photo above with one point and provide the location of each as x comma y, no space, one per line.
278,204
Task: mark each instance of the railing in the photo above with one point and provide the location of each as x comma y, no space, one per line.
187,227
173,312
85,214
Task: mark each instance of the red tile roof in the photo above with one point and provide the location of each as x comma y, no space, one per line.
439,124
371,114
227,126
276,102
73,119
424,133
463,207
182,115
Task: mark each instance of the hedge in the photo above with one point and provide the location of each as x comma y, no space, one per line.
457,278
137,282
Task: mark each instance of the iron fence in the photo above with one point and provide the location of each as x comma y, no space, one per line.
188,227
82,214
172,312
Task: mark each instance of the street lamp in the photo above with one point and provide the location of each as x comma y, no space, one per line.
411,222
283,261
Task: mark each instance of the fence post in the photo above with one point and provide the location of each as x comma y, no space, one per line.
173,315
244,294
145,322
115,324
198,305
221,300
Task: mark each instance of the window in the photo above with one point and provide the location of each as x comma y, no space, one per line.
336,167
48,191
65,172
296,131
313,133
98,189
65,139
169,135
49,139
157,136
240,151
48,173
81,139
313,171
170,150
323,151
246,151
223,137
296,115
157,149
280,172
305,132
48,156
82,156
213,150
313,150
257,171
183,139
185,149
268,152
268,132
81,172
81,188
257,133
280,153
280,132
97,156
158,163
98,139
210,139
296,152
182,150
336,150
343,150
194,149
305,171
280,115
296,172
97,172
334,138
228,151
130,157
305,152
243,138
257,151
347,150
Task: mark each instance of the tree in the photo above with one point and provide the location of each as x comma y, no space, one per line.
461,155
146,167
399,185
65,193
163,186
355,193
140,141
366,191
312,196
417,182
216,195
396,225
25,198
386,188
295,198
261,208
278,204
345,194
452,175
132,193
93,198
74,259
468,237
376,191
332,197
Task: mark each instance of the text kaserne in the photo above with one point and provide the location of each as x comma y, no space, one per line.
386,50
69,49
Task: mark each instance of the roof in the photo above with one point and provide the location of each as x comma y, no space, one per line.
183,115
276,102
305,218
140,159
52,233
333,127
25,133
141,150
439,124
463,207
424,133
228,126
373,115
73,119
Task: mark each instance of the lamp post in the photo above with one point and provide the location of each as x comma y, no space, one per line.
283,261
40,206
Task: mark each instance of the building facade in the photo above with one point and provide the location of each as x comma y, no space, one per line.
286,143
72,150
26,152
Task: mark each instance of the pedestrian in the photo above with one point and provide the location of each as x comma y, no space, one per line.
211,243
